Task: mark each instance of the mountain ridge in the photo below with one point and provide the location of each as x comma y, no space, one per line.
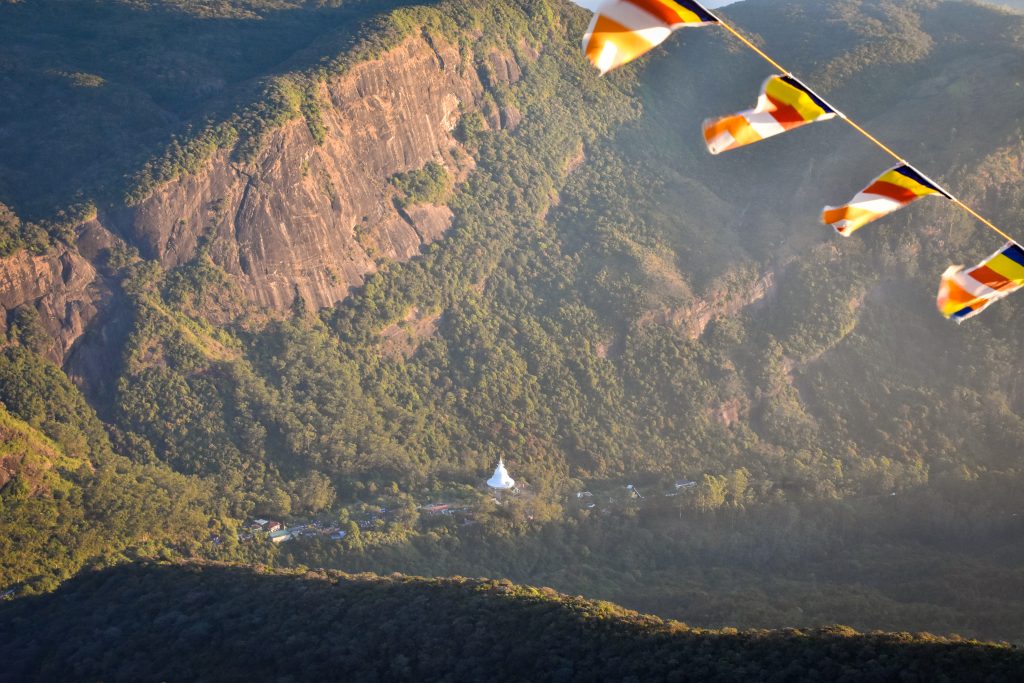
242,624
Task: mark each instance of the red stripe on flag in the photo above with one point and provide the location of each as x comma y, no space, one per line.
658,10
892,191
987,276
787,116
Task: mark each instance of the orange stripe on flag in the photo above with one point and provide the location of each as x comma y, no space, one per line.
628,45
892,191
661,11
737,126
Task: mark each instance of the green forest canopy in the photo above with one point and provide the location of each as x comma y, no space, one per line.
177,622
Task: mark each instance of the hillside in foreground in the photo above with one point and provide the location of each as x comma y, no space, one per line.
160,622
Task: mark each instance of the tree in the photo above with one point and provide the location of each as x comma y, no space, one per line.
353,537
711,492
736,489
312,493
27,329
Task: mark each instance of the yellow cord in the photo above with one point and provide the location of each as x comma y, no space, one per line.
983,220
746,41
870,137
751,45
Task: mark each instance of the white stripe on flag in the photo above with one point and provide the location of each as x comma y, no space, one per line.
875,203
763,123
720,142
632,17
973,287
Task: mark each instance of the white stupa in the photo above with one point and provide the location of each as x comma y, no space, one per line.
501,480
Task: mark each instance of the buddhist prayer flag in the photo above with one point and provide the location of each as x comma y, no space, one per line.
964,294
622,30
894,189
785,103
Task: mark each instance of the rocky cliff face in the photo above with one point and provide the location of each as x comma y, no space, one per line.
303,218
62,285
314,219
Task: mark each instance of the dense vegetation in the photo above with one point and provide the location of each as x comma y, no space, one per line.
429,184
612,307
182,622
15,234
70,499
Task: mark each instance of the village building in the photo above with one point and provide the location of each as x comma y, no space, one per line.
280,536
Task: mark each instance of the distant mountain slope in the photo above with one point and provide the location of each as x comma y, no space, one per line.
1013,4
91,89
191,622
608,305
65,498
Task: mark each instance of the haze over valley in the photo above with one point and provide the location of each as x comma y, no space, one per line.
284,281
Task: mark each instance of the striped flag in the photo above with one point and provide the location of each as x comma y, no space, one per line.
894,189
785,103
622,30
964,294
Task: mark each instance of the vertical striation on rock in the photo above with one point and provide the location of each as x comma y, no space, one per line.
301,218
315,219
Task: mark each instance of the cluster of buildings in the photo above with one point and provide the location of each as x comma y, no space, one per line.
277,532
447,509
501,482
587,499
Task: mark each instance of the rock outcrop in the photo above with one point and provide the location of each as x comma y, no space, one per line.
313,219
62,285
692,319
303,218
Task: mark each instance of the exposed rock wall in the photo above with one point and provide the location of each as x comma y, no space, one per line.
302,218
315,219
62,285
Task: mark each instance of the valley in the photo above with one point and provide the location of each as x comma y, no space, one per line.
353,269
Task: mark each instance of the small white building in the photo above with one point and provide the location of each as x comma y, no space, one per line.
281,535
501,480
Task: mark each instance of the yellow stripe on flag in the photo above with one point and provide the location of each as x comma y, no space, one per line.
1008,268
903,181
782,91
611,44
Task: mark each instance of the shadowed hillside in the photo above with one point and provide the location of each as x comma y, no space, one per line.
92,89
189,622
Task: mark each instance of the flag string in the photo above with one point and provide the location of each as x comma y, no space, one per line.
857,127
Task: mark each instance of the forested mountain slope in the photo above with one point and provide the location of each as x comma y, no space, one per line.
400,245
182,622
